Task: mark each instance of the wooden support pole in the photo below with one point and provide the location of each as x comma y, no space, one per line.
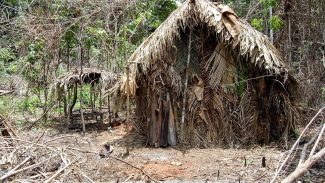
92,98
109,109
127,106
100,106
81,89
186,81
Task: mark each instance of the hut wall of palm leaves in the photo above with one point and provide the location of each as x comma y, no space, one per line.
238,91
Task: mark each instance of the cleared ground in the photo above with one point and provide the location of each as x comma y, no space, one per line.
162,164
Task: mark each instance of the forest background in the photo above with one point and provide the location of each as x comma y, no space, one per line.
41,39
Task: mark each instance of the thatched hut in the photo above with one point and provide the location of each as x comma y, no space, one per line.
66,87
206,77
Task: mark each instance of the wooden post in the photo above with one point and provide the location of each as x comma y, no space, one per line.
81,85
100,107
127,106
92,101
186,81
109,110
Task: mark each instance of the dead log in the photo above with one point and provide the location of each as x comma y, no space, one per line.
295,144
4,92
304,167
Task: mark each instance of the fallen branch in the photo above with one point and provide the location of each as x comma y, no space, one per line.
84,175
317,141
6,92
62,137
304,149
11,173
37,144
302,168
295,144
39,175
21,164
59,171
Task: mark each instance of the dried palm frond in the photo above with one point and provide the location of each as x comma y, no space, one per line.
233,31
131,89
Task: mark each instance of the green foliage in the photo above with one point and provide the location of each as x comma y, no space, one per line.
35,50
29,104
269,3
241,7
31,63
149,16
8,59
258,23
7,55
5,104
323,93
276,23
86,95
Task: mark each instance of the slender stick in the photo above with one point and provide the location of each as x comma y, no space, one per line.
317,141
84,175
295,144
21,164
127,106
59,171
51,148
186,80
304,149
109,109
6,93
11,173
81,82
301,169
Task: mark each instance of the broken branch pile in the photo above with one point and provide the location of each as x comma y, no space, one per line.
64,158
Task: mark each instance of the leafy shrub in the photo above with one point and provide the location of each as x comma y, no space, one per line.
29,104
276,23
257,23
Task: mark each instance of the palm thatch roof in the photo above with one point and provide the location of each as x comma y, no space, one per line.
252,45
88,76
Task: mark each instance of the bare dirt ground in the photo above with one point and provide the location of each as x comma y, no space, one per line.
162,164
